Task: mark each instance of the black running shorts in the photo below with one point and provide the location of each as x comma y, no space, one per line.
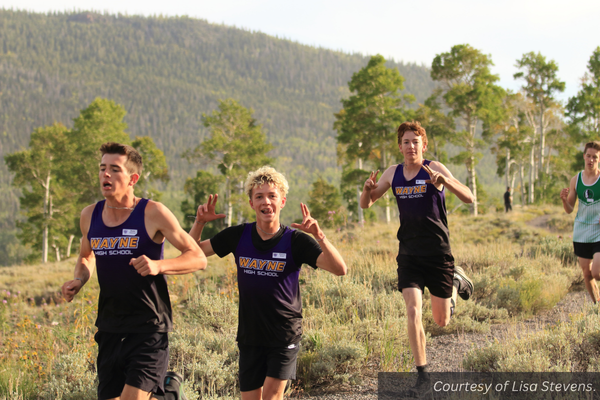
434,272
136,359
258,362
586,250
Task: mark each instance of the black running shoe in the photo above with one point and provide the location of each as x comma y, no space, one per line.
465,285
421,388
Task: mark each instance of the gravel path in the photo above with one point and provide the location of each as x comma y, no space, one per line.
445,353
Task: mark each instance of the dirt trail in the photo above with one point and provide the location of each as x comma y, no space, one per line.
445,353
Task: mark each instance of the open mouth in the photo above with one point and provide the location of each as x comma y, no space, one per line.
106,185
267,211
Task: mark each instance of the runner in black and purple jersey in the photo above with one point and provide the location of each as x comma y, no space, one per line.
424,256
268,257
124,235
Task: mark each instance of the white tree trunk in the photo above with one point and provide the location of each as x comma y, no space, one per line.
388,217
507,168
240,215
46,222
522,178
540,167
229,218
56,252
474,186
360,212
71,237
531,174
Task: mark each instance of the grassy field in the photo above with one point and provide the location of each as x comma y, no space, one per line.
354,326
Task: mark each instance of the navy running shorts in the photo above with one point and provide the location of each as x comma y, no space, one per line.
135,359
586,250
258,362
434,272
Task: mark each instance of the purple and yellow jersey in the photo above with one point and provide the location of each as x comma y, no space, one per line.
423,224
129,302
269,279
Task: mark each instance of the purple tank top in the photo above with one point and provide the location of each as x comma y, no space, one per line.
270,308
128,302
423,225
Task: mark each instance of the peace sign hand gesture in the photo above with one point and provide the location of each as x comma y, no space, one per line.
371,183
436,178
206,212
309,224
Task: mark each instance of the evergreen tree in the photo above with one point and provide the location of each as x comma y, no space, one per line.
199,188
44,201
155,167
583,109
471,94
367,123
541,84
236,145
325,204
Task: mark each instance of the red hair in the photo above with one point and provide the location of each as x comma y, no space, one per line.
414,126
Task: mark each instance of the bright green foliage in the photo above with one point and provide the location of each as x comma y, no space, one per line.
325,204
155,167
199,188
100,122
367,124
439,126
236,145
45,202
471,93
58,175
541,84
584,109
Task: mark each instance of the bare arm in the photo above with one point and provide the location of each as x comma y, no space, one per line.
84,266
441,176
330,259
160,220
204,214
569,196
373,190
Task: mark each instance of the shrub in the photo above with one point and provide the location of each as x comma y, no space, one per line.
73,378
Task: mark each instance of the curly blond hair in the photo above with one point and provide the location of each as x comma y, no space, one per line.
264,175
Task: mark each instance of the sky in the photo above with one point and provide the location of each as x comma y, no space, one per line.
409,31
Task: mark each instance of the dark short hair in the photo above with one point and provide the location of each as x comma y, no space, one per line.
134,162
414,126
592,145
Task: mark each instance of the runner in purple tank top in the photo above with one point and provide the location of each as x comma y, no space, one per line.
124,235
268,257
424,256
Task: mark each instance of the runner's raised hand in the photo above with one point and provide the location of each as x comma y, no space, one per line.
309,224
206,212
371,183
435,177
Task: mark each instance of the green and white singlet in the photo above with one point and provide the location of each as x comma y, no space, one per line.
587,222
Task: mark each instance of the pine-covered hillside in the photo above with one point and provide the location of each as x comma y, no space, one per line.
166,72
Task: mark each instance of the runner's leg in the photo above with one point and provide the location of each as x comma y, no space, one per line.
413,297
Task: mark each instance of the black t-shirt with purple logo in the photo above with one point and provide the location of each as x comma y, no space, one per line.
270,306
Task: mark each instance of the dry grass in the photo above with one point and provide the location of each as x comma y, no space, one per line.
354,326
